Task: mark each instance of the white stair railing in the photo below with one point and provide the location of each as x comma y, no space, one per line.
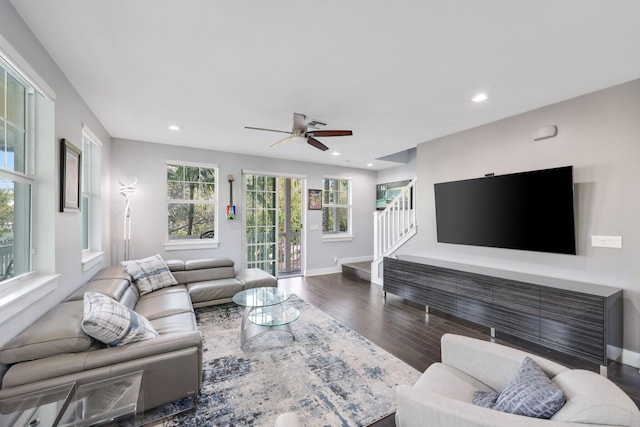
392,227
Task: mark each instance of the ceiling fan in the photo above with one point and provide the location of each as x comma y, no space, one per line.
308,131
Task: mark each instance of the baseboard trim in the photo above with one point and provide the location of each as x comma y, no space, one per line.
630,358
337,268
322,271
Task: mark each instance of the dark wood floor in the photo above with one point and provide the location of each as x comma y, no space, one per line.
408,332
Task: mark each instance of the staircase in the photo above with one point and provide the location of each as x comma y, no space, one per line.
393,227
358,270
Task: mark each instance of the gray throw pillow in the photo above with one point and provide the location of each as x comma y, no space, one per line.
486,399
530,393
107,320
149,274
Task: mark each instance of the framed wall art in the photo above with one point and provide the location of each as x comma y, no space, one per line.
69,177
315,200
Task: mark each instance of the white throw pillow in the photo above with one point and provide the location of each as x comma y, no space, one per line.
112,323
149,274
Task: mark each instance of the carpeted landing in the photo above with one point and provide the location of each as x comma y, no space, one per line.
329,375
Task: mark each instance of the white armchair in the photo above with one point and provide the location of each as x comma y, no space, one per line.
443,395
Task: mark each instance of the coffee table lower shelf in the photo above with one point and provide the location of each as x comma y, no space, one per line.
259,320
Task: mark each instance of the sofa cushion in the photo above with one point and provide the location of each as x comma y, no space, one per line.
113,288
593,399
149,274
165,302
213,290
112,323
57,332
530,393
256,278
449,382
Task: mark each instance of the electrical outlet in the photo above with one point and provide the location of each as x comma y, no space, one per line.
606,242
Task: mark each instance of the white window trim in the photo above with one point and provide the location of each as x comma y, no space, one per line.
22,67
21,292
183,245
92,256
343,236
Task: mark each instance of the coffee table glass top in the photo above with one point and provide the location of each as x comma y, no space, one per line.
273,315
260,297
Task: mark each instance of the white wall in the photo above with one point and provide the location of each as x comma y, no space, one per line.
147,162
401,172
599,134
70,114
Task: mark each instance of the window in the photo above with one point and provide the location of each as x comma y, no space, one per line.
16,173
336,207
90,200
192,201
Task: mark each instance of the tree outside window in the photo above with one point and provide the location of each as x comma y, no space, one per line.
191,191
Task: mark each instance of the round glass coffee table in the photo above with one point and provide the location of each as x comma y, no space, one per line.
264,311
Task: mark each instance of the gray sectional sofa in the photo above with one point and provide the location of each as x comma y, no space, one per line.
55,350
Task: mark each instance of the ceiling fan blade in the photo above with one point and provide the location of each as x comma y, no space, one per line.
282,141
330,133
269,130
319,145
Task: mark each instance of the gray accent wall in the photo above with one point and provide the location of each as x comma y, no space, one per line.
147,162
599,134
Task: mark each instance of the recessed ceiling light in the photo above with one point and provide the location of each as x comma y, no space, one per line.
335,153
369,165
174,128
480,97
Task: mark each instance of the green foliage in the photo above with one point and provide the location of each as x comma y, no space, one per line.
190,190
6,212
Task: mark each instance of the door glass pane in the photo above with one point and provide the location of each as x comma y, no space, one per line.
260,222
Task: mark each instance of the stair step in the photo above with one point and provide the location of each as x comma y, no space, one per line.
358,270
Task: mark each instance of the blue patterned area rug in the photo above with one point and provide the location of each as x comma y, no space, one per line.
329,375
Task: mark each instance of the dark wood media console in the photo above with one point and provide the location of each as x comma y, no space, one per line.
580,319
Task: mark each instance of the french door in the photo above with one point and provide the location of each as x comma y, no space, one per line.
273,223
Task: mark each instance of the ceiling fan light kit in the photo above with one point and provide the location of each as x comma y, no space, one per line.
300,130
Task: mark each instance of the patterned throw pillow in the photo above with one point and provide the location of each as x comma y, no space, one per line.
107,320
486,399
530,393
149,274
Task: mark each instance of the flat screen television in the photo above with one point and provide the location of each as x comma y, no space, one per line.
531,211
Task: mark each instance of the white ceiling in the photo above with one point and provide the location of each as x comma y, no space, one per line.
397,73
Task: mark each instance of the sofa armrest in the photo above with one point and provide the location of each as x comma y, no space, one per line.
492,364
418,408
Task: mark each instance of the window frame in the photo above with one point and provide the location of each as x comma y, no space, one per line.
338,235
91,162
186,244
28,175
20,292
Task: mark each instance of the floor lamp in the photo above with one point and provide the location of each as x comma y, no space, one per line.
126,191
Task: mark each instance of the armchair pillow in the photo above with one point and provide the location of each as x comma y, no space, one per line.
530,393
